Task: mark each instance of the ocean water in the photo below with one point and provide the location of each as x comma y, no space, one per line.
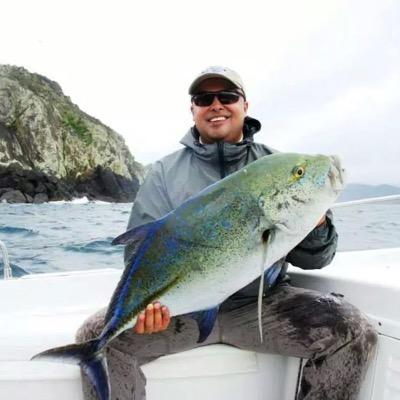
76,236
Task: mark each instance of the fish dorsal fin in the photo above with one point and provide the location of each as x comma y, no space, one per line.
137,234
137,238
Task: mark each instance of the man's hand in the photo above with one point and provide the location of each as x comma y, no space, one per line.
322,220
154,319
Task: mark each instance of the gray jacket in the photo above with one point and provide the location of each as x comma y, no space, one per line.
182,174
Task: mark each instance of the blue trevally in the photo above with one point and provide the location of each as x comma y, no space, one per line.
211,246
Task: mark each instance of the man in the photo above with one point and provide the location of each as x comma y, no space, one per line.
331,334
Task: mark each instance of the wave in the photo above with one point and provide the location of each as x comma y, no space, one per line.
102,246
82,200
16,270
17,230
59,228
77,200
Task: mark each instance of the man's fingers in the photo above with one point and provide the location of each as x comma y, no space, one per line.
322,220
149,321
139,327
155,318
158,322
166,318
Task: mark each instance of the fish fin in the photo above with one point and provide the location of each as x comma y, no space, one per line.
71,354
259,306
266,240
97,373
205,320
270,276
137,234
89,358
138,237
272,273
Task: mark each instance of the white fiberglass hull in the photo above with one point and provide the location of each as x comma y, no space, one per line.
43,311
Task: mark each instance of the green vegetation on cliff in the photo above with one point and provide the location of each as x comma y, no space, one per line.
77,126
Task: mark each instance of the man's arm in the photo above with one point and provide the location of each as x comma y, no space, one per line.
151,203
318,248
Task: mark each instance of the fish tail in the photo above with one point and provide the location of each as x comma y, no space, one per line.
89,357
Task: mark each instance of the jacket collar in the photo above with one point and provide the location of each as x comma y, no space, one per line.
232,151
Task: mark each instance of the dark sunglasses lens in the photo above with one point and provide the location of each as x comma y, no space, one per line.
203,99
228,97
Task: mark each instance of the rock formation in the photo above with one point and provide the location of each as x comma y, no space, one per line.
51,150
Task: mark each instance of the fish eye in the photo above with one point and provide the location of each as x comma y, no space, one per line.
298,172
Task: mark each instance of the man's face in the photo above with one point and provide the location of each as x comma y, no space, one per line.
218,121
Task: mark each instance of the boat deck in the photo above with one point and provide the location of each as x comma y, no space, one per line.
43,311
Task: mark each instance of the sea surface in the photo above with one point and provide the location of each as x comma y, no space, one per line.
69,236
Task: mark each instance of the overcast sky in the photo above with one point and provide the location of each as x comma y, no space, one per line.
321,76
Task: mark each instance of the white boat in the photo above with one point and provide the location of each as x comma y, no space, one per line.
45,310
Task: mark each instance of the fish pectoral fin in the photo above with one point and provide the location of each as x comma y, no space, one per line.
137,234
205,320
271,273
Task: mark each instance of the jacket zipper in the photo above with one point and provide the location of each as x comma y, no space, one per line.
221,161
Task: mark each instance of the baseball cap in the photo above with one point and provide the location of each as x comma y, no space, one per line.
217,72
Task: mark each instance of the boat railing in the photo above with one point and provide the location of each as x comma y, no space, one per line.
6,261
381,199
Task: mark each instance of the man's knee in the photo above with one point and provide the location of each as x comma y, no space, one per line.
345,326
331,323
91,328
349,322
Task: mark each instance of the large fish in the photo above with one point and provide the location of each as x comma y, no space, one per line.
211,246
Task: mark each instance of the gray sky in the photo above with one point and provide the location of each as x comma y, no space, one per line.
321,76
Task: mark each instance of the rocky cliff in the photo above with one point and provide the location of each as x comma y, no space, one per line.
51,150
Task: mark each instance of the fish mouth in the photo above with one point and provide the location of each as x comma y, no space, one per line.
337,174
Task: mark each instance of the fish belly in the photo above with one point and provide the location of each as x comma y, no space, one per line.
203,291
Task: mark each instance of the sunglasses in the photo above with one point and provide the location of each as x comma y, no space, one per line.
224,97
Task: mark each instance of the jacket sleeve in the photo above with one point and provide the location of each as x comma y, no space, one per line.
318,248
151,203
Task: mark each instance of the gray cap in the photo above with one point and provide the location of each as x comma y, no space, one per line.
217,72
